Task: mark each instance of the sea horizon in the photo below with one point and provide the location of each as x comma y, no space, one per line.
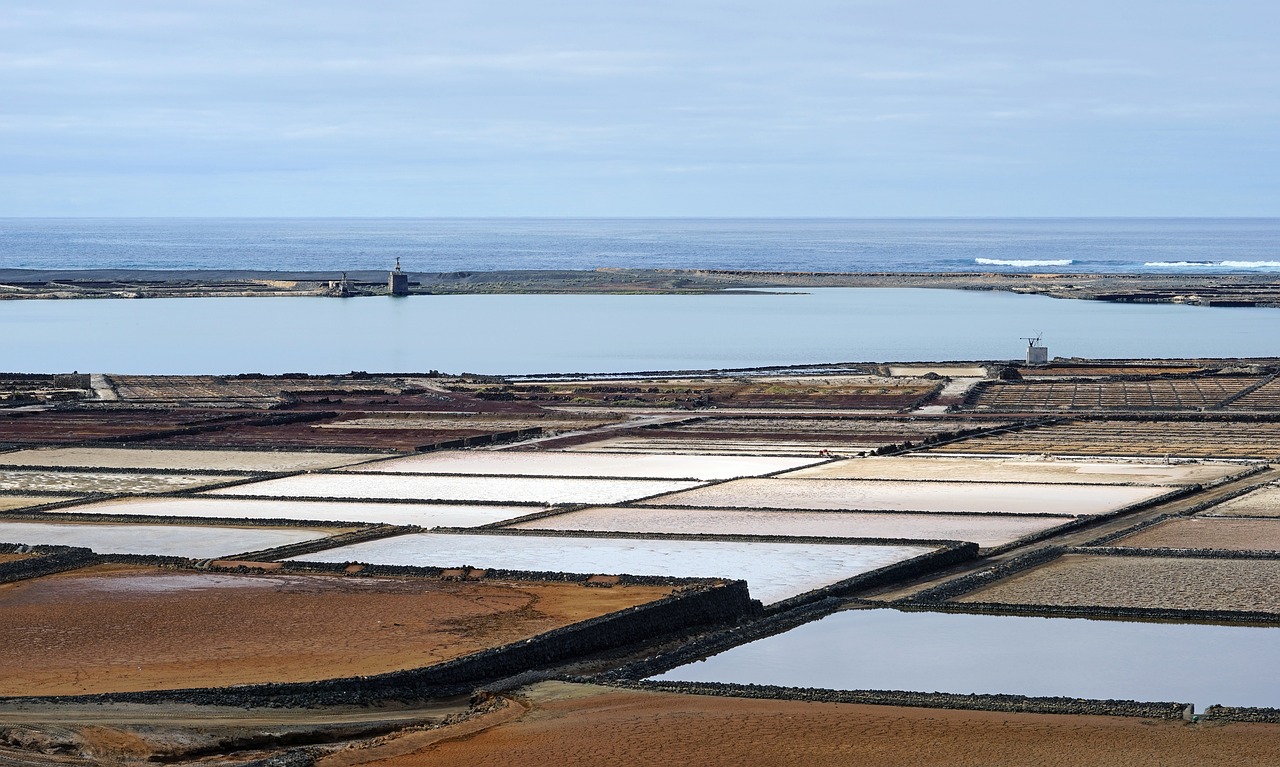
1104,245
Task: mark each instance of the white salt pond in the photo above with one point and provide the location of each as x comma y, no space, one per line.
986,530
175,541
563,464
773,571
1004,470
85,482
883,649
217,460
552,490
912,496
421,514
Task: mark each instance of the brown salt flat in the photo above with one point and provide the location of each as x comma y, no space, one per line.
10,502
1160,582
118,628
1209,533
568,725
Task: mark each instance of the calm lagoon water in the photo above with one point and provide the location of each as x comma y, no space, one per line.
602,333
956,653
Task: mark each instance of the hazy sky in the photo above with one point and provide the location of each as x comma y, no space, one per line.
687,108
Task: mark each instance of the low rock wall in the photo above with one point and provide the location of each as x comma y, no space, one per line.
1008,703
47,560
1240,714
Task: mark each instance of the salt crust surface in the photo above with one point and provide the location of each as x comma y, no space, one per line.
586,464
984,530
773,571
446,488
1160,582
421,514
85,482
1002,470
185,541
1263,502
912,496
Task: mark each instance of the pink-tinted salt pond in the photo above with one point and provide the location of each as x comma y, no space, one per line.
837,494
986,530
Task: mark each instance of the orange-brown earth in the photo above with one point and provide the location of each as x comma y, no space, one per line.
118,628
13,557
568,725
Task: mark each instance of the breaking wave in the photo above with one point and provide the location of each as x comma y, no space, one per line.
1006,262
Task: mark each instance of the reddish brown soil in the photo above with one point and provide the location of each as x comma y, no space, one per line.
703,393
60,427
304,436
115,628
14,557
579,725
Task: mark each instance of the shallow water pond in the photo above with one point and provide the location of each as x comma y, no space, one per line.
773,571
882,649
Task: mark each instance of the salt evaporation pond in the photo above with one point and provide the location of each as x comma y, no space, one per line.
450,488
11,502
1005,470
882,649
773,571
216,460
420,514
172,541
913,496
1263,502
986,530
86,482
585,464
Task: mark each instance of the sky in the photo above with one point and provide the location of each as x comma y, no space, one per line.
856,108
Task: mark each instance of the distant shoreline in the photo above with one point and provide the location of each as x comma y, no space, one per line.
1191,289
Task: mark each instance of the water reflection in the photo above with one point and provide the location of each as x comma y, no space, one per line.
572,333
882,649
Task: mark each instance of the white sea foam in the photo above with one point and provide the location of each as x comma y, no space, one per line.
1030,262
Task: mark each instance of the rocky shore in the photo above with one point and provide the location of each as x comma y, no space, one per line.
1199,289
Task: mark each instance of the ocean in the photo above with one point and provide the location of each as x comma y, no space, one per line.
1102,245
